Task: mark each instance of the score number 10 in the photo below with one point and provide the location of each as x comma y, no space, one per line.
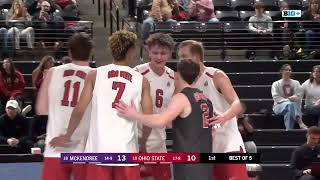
191,158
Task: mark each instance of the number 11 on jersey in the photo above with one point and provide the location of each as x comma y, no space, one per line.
67,86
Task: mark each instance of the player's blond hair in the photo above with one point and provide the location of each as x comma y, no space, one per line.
120,42
195,47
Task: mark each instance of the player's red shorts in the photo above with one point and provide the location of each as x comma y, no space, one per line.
96,172
157,171
52,170
230,171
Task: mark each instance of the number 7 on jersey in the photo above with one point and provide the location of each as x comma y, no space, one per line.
120,86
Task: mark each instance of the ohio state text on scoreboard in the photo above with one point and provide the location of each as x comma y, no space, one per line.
105,158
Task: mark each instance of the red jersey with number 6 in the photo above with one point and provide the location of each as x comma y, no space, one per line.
66,84
108,131
161,91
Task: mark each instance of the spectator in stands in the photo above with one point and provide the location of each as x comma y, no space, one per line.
303,157
261,27
284,31
286,94
34,6
66,60
311,91
246,130
4,39
312,14
64,3
37,74
21,28
161,11
48,25
70,10
14,129
11,83
202,10
184,4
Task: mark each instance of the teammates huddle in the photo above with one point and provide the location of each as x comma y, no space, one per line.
98,110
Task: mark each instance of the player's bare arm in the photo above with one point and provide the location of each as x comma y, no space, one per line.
178,106
42,105
223,84
78,111
146,104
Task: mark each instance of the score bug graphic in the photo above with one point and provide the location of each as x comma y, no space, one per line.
291,13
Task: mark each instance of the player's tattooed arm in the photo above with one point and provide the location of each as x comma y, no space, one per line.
146,104
178,106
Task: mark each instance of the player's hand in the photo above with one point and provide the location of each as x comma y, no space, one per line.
217,120
60,141
125,111
307,171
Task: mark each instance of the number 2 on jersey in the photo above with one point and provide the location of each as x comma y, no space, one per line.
76,87
120,86
205,114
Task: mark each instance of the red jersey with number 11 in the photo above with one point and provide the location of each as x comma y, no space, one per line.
109,133
67,82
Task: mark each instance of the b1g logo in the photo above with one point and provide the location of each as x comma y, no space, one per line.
291,13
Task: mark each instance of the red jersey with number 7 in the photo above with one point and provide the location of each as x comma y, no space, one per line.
66,84
109,133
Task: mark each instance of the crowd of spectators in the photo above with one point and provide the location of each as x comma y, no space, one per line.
27,24
289,97
36,22
279,38
17,131
173,11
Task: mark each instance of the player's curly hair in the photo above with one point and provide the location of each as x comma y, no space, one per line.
120,42
161,39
